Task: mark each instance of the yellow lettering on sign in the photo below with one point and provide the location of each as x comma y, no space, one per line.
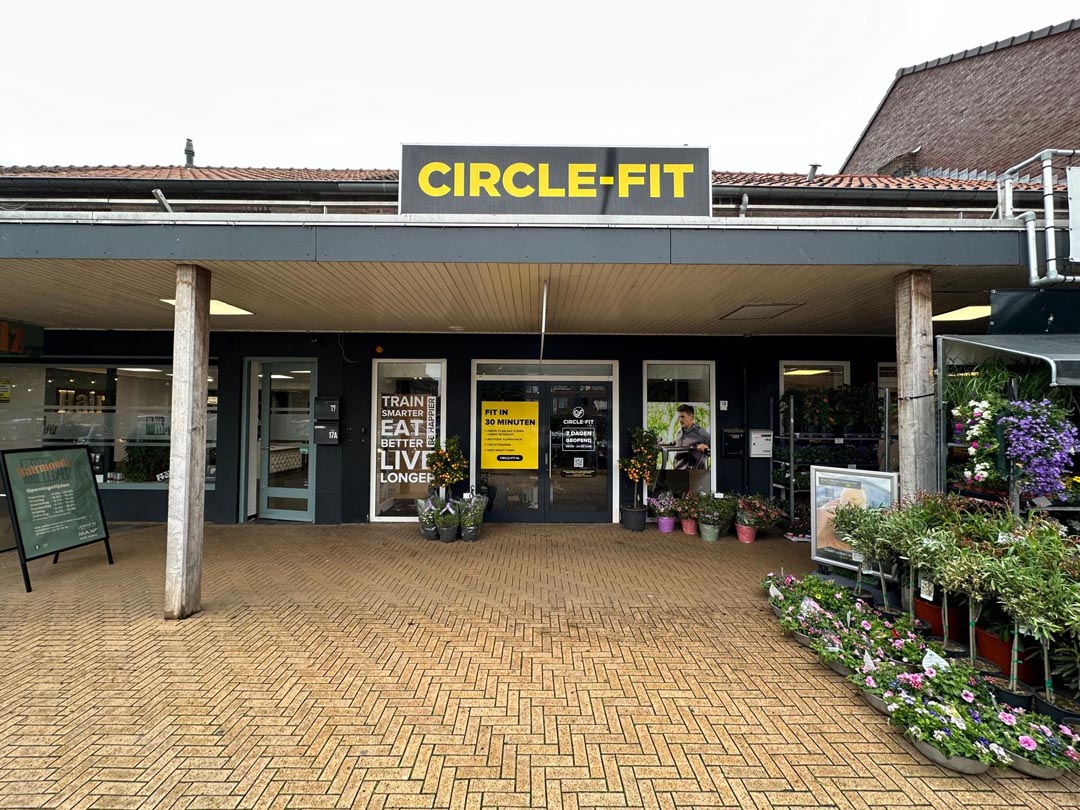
581,175
483,177
628,176
546,190
512,171
459,179
677,171
654,179
424,179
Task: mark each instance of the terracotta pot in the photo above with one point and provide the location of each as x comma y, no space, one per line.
745,534
931,613
994,649
665,524
689,526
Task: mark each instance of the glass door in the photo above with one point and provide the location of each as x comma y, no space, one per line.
545,450
286,448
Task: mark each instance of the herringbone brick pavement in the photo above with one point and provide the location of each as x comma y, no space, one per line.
361,666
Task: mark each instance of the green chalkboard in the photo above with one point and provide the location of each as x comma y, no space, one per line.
53,499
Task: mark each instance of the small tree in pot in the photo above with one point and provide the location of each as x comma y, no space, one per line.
447,465
640,467
861,528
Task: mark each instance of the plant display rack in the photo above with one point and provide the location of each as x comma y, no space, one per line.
795,452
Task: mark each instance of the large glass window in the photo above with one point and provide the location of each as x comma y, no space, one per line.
679,409
813,375
122,414
408,419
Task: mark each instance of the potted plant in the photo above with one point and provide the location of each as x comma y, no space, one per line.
752,513
663,505
640,468
447,465
472,516
715,514
686,508
861,528
426,509
447,521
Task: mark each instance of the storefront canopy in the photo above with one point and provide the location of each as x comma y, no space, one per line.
1061,352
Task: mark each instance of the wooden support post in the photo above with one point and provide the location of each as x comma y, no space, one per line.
187,457
915,368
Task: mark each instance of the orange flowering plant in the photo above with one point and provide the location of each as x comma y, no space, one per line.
640,465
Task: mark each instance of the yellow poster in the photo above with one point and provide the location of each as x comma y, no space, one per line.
510,435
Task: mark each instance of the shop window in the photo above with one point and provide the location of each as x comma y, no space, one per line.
408,418
679,409
812,375
122,414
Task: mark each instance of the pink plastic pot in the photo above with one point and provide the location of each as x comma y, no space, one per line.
666,524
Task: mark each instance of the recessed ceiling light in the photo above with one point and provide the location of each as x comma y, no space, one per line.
216,307
456,328
806,372
279,377
146,370
301,371
964,314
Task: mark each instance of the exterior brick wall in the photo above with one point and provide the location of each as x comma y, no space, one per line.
984,112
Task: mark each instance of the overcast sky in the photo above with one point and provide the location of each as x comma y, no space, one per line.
770,86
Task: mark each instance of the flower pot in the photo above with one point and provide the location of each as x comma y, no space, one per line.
745,534
958,764
984,666
689,526
1022,698
710,534
448,534
777,611
470,534
665,524
1029,768
633,517
838,667
1061,708
958,619
1000,652
429,532
802,638
874,701
953,649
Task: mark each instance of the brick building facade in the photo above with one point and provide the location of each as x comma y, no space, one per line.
984,109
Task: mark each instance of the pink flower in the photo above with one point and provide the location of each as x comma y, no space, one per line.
967,696
1007,718
1070,752
1065,730
865,625
897,643
871,682
930,672
975,444
959,426
1020,710
1027,743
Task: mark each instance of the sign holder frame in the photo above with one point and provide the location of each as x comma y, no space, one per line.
17,530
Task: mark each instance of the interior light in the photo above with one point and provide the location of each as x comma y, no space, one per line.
279,377
301,371
964,314
806,372
143,370
216,307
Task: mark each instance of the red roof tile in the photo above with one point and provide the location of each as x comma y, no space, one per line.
228,173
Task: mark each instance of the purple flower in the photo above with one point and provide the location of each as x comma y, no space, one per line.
1007,718
871,682
1027,743
865,625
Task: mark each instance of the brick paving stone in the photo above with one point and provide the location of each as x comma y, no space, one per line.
361,666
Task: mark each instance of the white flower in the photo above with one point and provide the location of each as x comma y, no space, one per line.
940,735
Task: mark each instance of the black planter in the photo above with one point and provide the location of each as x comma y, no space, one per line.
953,649
448,534
430,532
470,534
1021,699
1054,710
633,517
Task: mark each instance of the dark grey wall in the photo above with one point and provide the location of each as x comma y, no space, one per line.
747,374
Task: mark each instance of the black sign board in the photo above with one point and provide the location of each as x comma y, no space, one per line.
21,339
327,409
54,502
556,180
327,433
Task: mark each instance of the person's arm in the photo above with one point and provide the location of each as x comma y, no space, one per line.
704,440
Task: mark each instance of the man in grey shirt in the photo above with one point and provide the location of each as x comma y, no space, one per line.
690,436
